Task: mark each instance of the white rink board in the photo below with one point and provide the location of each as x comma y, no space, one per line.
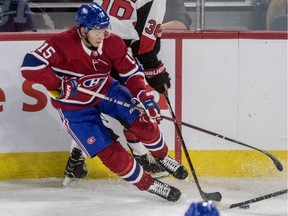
210,90
235,87
241,92
26,131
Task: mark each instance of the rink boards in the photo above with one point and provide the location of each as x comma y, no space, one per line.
232,83
208,163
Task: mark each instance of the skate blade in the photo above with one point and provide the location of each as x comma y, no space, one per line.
66,181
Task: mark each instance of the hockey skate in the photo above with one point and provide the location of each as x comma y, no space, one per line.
150,164
165,191
173,167
76,168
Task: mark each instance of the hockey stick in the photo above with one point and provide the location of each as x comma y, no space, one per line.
216,196
257,199
273,158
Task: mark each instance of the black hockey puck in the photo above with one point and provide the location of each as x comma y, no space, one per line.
244,206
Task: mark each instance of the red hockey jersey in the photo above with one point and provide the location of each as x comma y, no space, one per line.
65,56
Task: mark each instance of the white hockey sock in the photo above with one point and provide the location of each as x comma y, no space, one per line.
138,148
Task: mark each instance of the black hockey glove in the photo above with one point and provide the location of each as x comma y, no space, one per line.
158,78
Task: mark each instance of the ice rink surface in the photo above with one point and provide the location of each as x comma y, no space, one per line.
114,197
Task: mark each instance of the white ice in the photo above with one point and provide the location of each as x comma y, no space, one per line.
114,197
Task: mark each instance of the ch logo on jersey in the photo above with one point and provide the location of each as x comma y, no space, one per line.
93,82
91,140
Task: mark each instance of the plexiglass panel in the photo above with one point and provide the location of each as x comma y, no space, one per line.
46,15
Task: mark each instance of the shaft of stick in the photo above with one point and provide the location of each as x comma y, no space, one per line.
205,196
273,158
104,97
257,199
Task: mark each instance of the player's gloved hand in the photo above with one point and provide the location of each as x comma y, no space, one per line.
146,99
68,89
158,78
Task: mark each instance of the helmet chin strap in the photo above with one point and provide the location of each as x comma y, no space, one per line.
85,36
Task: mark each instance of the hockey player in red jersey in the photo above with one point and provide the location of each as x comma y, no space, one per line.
139,24
131,19
83,57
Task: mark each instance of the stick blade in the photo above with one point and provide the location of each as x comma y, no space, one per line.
278,165
216,196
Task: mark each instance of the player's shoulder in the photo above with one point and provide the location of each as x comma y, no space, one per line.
114,44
